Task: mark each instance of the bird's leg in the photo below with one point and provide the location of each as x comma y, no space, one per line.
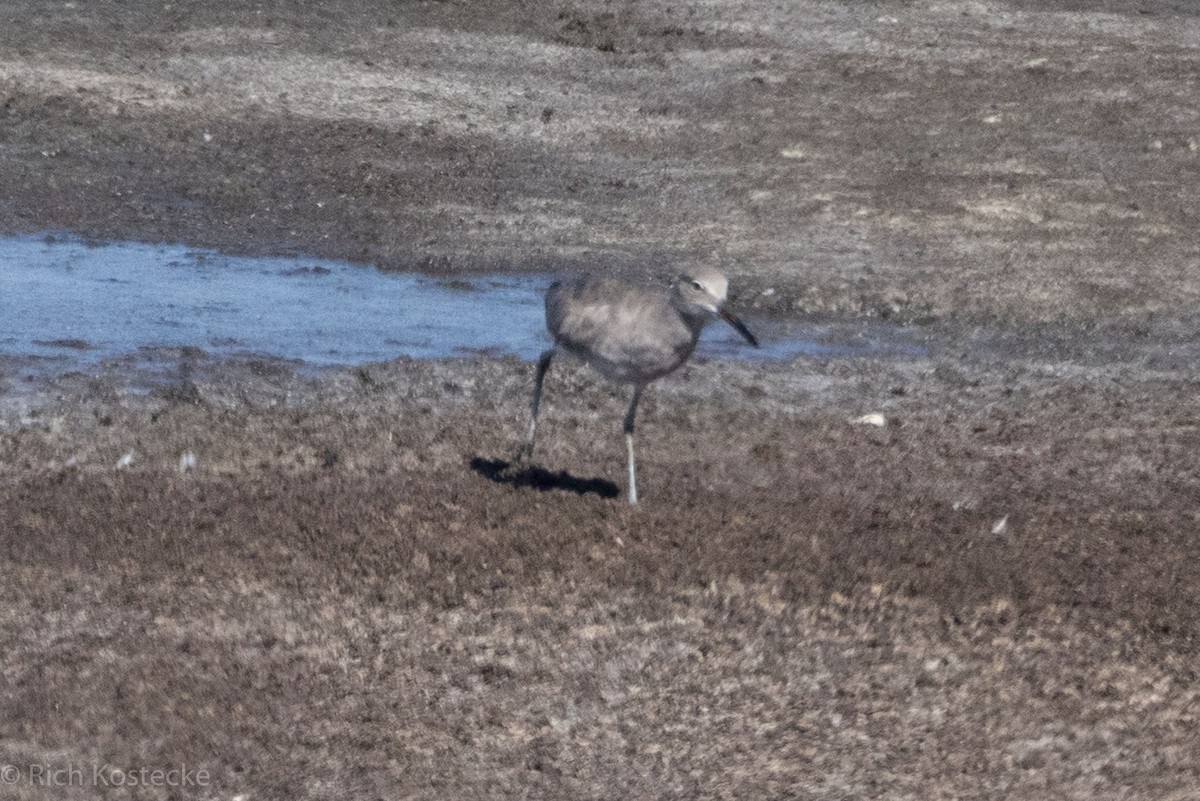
629,418
526,451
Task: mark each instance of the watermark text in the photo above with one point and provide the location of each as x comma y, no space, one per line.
70,774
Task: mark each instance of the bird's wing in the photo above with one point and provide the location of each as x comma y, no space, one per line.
608,321
586,311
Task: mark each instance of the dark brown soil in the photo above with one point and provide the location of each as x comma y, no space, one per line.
1027,162
995,595
342,599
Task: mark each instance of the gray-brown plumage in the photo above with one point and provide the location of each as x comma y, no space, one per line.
629,334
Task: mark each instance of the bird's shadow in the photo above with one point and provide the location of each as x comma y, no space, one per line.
540,479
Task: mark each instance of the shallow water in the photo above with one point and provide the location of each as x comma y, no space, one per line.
72,304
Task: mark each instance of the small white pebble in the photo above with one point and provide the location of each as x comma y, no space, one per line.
992,119
187,462
71,462
1001,525
768,292
792,153
125,461
208,137
1034,63
874,419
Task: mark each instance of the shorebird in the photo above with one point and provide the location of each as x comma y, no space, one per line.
629,334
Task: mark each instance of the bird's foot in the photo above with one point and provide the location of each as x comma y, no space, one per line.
518,464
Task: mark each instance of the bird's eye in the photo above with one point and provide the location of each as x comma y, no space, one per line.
698,285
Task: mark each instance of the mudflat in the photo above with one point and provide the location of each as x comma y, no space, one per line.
993,595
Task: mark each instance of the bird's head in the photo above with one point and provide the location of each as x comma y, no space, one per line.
702,292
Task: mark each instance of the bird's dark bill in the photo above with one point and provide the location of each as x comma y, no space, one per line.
739,326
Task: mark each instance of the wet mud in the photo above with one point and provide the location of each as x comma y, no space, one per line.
321,583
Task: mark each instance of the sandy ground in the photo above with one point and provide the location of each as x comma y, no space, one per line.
993,596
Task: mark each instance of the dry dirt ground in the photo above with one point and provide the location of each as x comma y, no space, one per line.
994,596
